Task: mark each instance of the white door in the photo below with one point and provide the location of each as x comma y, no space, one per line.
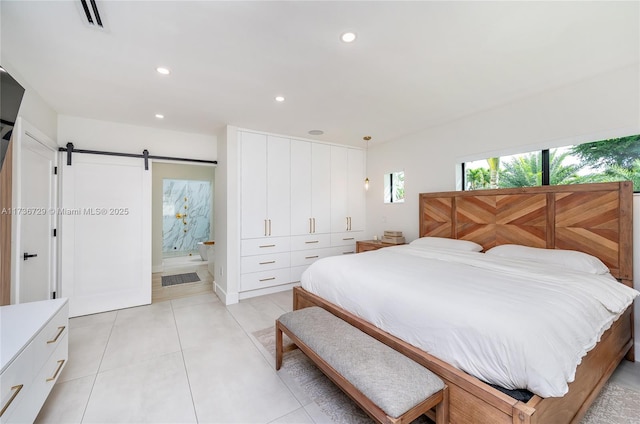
356,191
35,217
278,186
301,188
339,216
321,187
253,185
105,233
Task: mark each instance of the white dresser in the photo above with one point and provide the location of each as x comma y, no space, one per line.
33,351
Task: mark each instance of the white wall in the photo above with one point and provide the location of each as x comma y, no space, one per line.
226,219
33,108
607,105
93,134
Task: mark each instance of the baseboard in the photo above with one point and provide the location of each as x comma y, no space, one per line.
268,290
226,298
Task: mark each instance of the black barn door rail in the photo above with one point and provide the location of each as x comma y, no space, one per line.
145,155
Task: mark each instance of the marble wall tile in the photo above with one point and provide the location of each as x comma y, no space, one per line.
192,198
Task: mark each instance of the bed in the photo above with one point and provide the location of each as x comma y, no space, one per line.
593,218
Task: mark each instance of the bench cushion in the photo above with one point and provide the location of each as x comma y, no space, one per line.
391,380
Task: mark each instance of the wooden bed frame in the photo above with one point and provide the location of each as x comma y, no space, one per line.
593,218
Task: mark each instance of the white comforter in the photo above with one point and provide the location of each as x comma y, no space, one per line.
508,322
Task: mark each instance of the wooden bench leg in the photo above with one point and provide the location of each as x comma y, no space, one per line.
442,409
278,346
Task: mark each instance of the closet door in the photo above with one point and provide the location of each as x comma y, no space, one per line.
253,183
355,189
339,221
321,188
278,186
301,175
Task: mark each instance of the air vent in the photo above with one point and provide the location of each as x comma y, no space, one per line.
90,9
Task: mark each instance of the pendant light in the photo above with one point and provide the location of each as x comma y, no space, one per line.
366,139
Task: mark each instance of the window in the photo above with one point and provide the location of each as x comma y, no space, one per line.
394,187
608,160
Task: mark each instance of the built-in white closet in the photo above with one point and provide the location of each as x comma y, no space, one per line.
300,201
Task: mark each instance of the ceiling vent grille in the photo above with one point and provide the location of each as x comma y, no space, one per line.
90,9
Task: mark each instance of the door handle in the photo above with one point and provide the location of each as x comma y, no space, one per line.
27,256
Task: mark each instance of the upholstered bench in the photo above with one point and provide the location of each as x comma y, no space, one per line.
387,385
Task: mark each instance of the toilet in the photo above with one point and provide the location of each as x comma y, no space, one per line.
203,249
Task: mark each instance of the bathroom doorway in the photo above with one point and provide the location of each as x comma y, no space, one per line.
183,234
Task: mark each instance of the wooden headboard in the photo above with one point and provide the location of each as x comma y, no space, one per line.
592,218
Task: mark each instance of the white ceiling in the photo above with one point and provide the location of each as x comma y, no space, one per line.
413,65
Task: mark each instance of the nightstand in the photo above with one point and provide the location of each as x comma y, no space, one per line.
366,245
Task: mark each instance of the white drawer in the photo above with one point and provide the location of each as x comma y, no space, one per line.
16,382
307,257
259,263
296,273
345,239
51,335
27,410
343,250
262,246
259,280
310,241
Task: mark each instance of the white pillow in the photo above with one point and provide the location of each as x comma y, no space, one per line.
571,259
447,243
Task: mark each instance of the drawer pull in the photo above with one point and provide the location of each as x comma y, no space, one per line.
348,238
267,245
311,257
311,242
267,262
60,364
348,253
15,390
55,339
267,279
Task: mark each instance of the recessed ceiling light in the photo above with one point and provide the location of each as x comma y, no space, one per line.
279,99
159,116
316,132
348,37
163,71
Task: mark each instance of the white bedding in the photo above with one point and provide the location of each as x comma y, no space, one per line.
508,322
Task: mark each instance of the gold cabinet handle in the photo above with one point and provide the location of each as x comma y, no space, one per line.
15,390
312,241
55,339
267,262
311,257
60,364
267,279
267,245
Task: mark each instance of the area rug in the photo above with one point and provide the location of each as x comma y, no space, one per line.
172,280
616,404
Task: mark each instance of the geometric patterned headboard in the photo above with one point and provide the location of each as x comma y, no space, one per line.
592,218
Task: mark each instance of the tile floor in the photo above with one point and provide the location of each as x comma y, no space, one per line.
186,360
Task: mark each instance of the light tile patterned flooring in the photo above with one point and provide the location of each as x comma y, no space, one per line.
186,360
